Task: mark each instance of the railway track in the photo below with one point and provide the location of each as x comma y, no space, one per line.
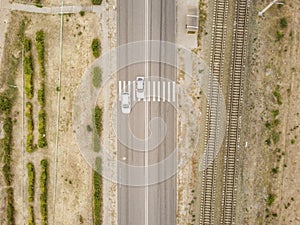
234,103
219,30
235,99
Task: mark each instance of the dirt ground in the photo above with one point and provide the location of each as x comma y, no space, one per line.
269,189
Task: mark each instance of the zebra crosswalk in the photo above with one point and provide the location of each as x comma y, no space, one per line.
156,91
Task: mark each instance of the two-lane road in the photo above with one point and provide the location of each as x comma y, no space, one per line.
140,20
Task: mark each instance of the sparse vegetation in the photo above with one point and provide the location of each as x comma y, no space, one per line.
42,142
277,95
97,76
270,199
283,22
29,139
97,183
81,13
96,2
96,47
31,181
40,46
10,209
38,3
279,35
28,69
31,215
98,120
44,189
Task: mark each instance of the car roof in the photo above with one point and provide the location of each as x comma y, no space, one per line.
125,97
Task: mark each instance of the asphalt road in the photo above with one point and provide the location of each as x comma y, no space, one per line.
140,20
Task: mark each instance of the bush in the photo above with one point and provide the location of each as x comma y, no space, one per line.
275,137
10,210
42,142
43,187
29,139
81,13
98,120
278,97
40,46
96,47
270,199
28,76
279,35
98,195
283,22
7,147
5,103
96,2
41,94
38,3
31,181
97,77
31,215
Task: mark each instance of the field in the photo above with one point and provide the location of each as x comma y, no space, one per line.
269,188
58,190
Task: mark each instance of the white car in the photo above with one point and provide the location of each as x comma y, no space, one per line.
140,93
125,104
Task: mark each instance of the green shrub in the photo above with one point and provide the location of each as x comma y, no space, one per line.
10,210
270,199
283,22
29,139
42,142
98,120
97,77
26,45
40,46
279,35
43,190
31,181
38,3
81,13
275,137
28,76
98,194
278,97
41,94
31,215
5,103
7,147
96,47
96,2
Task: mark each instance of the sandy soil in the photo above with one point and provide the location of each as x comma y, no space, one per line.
272,168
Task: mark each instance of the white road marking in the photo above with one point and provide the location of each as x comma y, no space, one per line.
153,91
158,91
149,91
124,85
128,88
169,92
133,90
164,91
146,112
174,91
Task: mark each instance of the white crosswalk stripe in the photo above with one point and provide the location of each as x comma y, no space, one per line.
164,91
174,91
169,92
160,90
153,90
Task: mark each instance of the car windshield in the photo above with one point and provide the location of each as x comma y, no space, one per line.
125,106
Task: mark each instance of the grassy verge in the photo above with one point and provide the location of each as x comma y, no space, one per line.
31,181
98,195
43,187
97,77
40,46
202,20
98,120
